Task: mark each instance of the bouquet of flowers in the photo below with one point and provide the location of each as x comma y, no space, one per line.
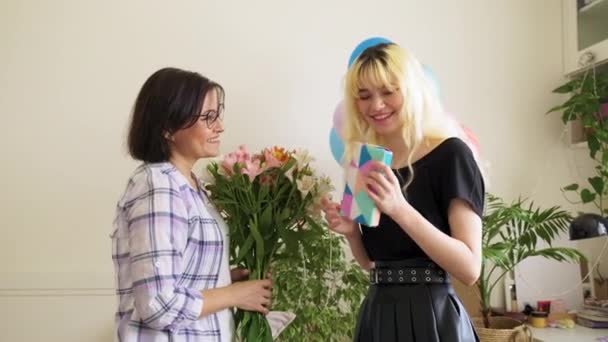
266,198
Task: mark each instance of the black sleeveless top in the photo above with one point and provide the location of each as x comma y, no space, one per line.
447,172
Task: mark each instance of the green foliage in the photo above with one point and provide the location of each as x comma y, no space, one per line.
587,93
320,286
512,233
265,198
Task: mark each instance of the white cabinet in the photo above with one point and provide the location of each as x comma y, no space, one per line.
585,33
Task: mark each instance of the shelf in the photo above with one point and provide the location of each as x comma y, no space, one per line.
600,67
585,34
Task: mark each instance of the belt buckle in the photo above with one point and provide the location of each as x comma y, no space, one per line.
373,276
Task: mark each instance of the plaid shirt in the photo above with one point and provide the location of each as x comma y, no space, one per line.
166,248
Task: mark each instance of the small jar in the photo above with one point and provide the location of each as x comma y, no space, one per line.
538,319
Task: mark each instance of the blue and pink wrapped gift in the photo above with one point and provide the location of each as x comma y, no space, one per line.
356,204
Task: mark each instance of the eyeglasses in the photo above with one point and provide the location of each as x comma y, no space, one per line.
211,116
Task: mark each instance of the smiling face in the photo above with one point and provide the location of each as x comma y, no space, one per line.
380,105
202,139
374,92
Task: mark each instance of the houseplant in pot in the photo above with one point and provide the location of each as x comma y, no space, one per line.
513,232
587,103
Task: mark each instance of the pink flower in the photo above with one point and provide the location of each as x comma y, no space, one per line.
252,169
280,154
240,157
228,163
271,160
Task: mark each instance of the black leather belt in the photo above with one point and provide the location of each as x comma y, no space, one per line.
402,273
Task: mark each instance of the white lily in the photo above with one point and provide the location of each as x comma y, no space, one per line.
305,184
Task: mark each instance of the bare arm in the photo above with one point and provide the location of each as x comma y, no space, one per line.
251,295
459,254
216,300
349,229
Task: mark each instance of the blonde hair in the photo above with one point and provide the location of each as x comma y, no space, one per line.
394,68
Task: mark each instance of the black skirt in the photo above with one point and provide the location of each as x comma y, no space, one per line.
413,312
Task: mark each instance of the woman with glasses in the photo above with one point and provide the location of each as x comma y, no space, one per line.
170,245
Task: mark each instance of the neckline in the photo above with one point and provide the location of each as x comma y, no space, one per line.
428,155
197,187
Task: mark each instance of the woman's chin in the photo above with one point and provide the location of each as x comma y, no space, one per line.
211,152
387,129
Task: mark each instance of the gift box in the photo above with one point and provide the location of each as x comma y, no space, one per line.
356,204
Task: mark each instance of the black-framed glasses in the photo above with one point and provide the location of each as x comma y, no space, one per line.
211,116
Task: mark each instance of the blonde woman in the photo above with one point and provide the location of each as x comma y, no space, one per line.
431,199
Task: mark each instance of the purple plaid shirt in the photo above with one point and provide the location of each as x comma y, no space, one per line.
166,248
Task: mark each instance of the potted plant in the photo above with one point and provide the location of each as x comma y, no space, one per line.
511,234
588,104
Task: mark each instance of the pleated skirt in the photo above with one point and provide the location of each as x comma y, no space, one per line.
413,312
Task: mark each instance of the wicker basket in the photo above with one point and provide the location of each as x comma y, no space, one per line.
502,329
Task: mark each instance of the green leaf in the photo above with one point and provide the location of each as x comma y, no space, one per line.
291,162
571,187
314,225
244,249
266,217
593,144
588,120
597,183
556,108
266,333
285,214
560,254
566,88
587,196
568,115
245,318
259,243
263,193
253,330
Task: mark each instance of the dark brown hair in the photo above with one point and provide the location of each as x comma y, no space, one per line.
171,99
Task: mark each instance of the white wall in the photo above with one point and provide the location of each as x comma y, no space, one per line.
70,70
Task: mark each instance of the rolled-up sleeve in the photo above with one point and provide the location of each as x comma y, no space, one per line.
158,232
